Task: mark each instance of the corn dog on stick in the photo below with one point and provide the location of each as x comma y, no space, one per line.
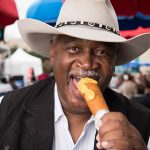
89,89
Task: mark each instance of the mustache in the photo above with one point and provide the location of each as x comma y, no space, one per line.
87,73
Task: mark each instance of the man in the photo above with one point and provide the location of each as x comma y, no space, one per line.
52,115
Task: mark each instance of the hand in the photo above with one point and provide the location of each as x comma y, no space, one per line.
117,133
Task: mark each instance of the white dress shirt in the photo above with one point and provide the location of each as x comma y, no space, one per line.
62,136
1,98
148,146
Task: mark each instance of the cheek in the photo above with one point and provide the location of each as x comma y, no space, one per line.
107,71
107,64
61,66
63,61
108,68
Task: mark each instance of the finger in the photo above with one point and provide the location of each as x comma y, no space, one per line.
97,137
111,126
116,144
116,135
119,139
98,145
111,116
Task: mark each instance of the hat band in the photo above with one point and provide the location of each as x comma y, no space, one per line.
91,24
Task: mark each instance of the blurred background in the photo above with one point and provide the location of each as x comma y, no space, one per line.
20,67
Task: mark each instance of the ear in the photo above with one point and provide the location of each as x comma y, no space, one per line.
51,53
113,69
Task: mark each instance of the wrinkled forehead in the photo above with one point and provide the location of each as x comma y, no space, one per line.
66,39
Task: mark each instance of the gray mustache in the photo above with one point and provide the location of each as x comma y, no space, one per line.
87,73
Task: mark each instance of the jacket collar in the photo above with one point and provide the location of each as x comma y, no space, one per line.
115,101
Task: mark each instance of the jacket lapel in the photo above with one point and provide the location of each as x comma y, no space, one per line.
115,101
41,128
40,124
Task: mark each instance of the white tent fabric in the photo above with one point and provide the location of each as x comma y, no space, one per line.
145,57
11,31
20,62
3,47
8,36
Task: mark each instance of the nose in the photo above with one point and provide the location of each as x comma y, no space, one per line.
86,61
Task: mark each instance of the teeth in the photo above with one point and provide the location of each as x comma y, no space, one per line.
100,78
78,78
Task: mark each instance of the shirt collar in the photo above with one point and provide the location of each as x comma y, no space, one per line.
58,111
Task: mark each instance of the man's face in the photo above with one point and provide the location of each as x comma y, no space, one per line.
74,58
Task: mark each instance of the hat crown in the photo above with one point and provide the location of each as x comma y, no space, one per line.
96,11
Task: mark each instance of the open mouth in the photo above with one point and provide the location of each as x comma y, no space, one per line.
74,79
72,87
77,78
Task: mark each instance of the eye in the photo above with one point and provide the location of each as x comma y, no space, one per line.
73,49
100,52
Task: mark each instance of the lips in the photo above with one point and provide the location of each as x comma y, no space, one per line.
75,81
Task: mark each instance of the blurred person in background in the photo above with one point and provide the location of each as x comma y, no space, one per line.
119,81
42,76
140,89
51,114
31,79
144,98
128,87
140,79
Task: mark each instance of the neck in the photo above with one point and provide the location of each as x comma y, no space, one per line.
77,119
76,124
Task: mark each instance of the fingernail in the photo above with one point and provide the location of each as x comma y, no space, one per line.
104,144
98,145
100,123
97,138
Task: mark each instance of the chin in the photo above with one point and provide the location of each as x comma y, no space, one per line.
80,106
80,111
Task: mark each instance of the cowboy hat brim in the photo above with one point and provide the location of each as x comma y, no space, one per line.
37,36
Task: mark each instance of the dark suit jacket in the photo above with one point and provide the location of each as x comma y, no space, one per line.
143,99
27,116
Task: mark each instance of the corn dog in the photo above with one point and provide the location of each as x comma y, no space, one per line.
89,89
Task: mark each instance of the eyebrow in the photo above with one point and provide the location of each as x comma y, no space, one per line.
70,39
111,45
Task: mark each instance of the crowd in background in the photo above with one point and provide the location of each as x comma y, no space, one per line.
134,86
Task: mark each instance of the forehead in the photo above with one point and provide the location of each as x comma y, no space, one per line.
66,39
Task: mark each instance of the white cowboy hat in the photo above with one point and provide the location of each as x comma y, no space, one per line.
86,19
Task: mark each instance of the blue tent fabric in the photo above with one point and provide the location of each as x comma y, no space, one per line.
45,10
133,22
145,64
